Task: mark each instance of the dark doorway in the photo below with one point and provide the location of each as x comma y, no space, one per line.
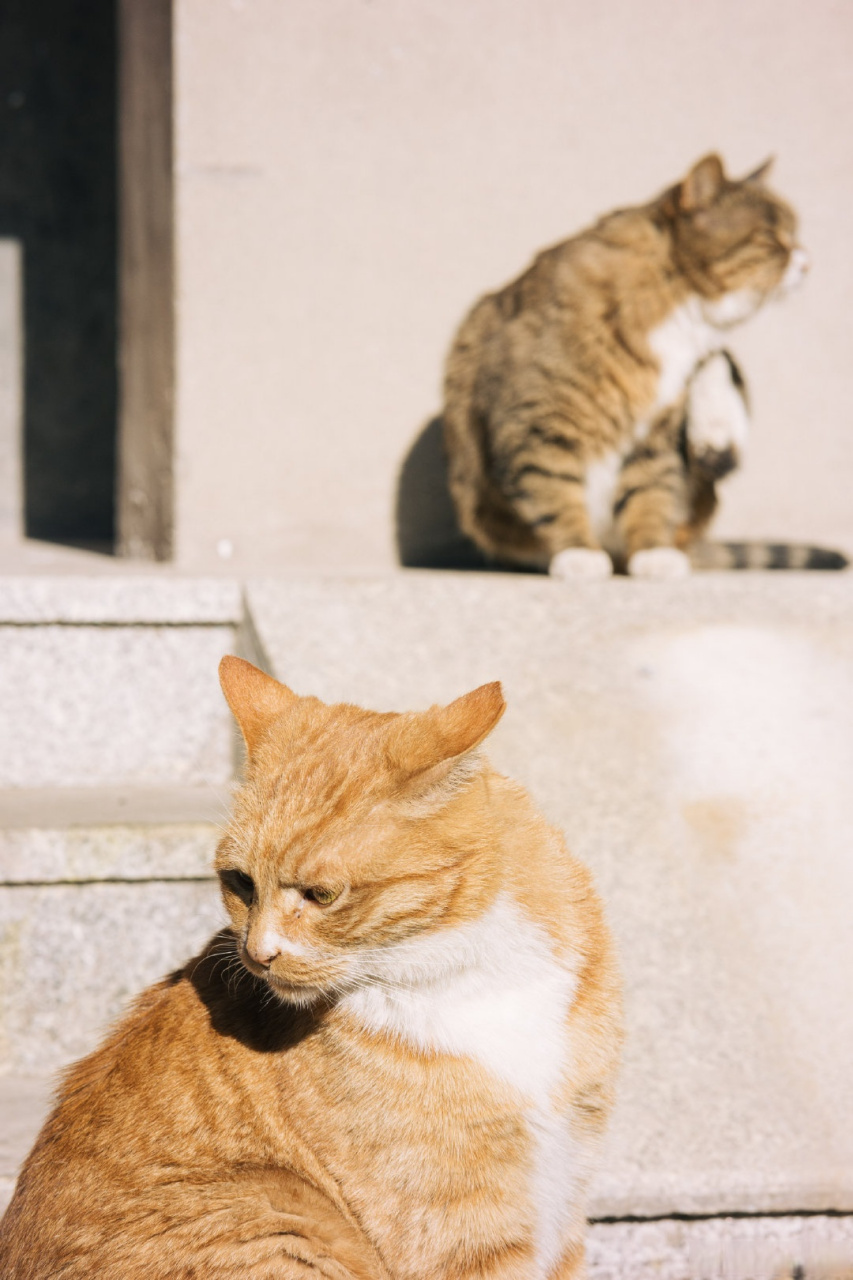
58,182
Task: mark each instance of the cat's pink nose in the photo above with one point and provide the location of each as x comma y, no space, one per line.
264,949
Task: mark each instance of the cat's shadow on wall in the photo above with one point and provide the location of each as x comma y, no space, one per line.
427,533
428,536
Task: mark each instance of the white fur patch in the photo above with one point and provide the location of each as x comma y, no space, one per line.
579,563
600,482
796,270
732,308
690,333
717,417
659,562
491,990
680,342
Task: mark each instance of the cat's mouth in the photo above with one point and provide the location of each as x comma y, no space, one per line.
297,982
303,994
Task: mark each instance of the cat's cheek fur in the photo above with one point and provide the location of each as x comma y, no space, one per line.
659,562
732,308
581,564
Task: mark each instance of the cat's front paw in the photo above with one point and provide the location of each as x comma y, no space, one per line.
659,562
581,563
715,463
717,417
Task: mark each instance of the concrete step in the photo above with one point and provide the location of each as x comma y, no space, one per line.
117,760
89,916
112,681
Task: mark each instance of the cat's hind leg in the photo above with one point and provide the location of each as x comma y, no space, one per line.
544,484
651,508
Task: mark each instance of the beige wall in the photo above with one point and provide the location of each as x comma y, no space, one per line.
351,174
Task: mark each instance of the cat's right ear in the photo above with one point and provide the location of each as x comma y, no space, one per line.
756,178
702,185
255,699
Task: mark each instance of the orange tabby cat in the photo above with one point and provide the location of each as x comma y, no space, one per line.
398,1060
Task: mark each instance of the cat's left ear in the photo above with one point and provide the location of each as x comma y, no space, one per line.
430,743
758,175
702,185
255,698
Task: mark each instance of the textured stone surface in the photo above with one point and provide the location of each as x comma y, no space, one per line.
721,1249
693,740
57,807
72,956
124,597
98,705
176,851
24,1102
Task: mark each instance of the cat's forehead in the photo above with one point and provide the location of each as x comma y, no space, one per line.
759,205
313,780
308,830
327,763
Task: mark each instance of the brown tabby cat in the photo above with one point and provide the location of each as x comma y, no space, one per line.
396,1062
589,406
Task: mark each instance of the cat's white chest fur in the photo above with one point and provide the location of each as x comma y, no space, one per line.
680,342
493,991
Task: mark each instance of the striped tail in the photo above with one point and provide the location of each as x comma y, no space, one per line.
764,555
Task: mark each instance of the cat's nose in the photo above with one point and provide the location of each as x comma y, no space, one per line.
801,260
263,949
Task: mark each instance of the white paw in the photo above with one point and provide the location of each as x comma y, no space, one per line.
581,563
717,420
659,562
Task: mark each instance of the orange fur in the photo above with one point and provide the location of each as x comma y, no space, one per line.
246,1120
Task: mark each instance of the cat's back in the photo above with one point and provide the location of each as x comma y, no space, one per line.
584,275
133,1135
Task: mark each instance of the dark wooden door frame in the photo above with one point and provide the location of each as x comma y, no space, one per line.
145,470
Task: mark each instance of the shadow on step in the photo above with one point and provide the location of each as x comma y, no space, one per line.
427,533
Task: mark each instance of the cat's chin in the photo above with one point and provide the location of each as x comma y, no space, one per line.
303,996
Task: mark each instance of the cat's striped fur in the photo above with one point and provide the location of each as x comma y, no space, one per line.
590,405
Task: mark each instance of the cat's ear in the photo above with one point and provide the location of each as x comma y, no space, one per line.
255,698
758,175
430,742
702,185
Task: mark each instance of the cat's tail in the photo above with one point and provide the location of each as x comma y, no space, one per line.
764,555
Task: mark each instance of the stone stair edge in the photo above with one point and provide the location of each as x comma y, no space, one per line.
53,836
167,597
131,600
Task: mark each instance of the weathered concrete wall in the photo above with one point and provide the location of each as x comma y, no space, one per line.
351,176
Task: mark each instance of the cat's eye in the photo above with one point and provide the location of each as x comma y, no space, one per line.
323,897
238,882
